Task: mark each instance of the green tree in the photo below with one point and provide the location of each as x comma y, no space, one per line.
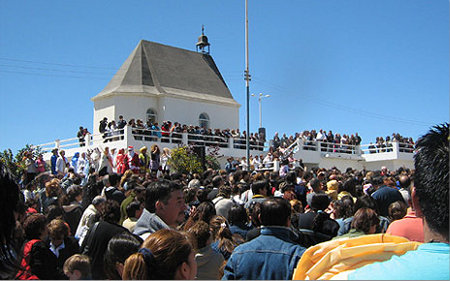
16,164
184,160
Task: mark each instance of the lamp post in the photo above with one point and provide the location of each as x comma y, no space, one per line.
260,97
247,82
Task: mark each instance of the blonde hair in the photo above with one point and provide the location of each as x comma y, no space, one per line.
128,173
166,150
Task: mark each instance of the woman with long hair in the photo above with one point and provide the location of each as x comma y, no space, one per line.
204,212
154,159
224,241
165,254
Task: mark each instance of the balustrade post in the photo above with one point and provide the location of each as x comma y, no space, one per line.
230,142
127,134
185,139
358,150
276,165
87,139
57,143
396,148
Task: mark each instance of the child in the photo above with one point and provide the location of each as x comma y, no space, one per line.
78,267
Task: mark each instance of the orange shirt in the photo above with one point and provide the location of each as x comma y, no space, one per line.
410,227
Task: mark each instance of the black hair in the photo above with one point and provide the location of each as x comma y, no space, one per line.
9,197
132,208
275,212
202,195
256,186
324,224
320,201
54,211
344,207
315,184
113,179
348,186
431,183
291,177
159,191
237,215
111,212
216,181
365,201
119,248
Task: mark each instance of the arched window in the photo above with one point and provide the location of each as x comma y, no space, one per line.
203,120
151,115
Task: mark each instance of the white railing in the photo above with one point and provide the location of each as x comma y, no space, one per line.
391,146
329,147
314,145
158,136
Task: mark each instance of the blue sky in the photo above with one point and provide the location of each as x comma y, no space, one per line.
372,67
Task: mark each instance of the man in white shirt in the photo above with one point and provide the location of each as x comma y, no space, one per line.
61,163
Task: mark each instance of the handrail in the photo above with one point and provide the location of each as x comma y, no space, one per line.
389,146
143,134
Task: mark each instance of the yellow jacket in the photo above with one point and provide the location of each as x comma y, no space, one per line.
335,259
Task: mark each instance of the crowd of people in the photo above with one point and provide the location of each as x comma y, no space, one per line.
385,144
236,224
334,140
329,142
172,132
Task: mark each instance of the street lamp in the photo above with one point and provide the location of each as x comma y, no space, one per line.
260,107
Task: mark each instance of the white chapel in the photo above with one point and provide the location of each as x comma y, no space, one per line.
160,82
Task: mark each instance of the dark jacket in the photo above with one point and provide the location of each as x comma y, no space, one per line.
72,215
71,247
39,261
96,242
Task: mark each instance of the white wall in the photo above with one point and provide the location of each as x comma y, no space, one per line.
180,110
187,112
136,107
102,108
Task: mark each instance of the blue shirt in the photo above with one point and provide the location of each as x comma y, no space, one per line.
429,262
53,164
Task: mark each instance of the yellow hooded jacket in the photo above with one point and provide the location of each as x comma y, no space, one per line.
335,259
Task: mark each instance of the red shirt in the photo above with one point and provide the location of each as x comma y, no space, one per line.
410,227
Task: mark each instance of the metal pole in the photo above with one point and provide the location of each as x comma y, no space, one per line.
247,79
260,111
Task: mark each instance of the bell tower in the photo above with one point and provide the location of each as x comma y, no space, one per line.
202,42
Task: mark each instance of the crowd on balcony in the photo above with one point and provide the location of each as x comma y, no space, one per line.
406,144
172,132
329,141
300,224
345,143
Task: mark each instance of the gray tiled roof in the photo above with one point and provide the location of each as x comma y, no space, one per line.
159,69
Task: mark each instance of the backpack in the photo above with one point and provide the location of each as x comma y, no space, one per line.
25,273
